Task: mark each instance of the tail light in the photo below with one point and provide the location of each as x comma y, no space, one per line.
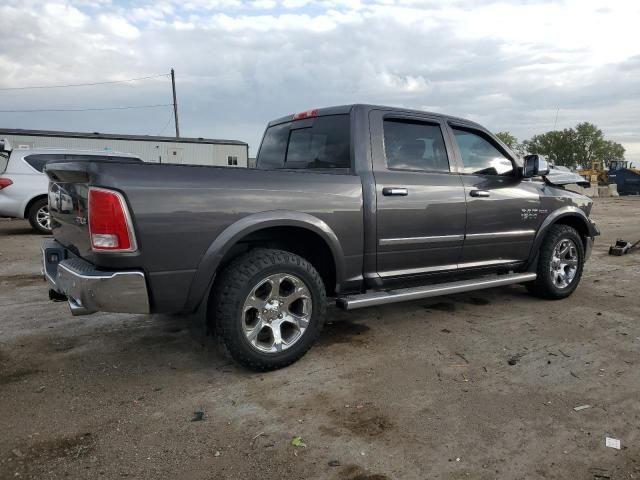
5,182
109,222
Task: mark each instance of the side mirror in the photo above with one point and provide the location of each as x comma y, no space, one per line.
535,165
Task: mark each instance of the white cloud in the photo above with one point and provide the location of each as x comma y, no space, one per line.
509,64
66,15
119,26
264,4
294,3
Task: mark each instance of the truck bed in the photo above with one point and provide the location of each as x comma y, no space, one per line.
178,211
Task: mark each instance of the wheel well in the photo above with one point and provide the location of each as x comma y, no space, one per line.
309,245
576,223
31,202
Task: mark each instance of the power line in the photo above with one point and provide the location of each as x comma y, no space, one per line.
84,84
86,109
165,125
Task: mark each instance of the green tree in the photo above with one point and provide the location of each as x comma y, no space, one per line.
574,147
511,142
557,146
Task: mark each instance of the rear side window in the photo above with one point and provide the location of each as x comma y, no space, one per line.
321,143
480,156
39,161
411,145
36,161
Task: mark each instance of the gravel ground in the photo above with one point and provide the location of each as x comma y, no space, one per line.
480,385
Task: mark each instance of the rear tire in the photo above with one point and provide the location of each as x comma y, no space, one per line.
560,264
39,216
269,307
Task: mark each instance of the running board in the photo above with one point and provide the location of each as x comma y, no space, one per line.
382,297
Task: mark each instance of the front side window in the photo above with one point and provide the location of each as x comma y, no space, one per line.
323,143
411,145
480,156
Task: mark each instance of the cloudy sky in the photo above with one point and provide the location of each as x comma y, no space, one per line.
510,65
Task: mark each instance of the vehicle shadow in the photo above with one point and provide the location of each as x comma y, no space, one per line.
16,227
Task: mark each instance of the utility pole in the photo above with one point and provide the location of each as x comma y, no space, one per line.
175,103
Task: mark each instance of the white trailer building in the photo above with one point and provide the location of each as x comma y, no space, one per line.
193,151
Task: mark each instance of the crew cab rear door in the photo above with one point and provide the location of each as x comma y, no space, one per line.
502,208
421,211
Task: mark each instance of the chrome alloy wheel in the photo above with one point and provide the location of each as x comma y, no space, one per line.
276,312
564,263
43,217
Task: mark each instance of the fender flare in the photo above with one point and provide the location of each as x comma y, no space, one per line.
552,218
210,261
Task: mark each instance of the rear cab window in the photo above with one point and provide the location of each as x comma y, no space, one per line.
321,144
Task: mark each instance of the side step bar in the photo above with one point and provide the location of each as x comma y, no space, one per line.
382,297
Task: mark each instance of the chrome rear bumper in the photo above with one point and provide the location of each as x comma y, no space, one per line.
89,290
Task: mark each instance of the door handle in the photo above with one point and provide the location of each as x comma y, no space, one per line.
395,191
479,193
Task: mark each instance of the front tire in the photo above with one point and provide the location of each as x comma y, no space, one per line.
269,307
560,263
39,216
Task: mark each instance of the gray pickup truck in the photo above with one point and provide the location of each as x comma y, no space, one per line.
364,204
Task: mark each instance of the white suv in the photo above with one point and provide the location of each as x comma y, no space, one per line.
23,185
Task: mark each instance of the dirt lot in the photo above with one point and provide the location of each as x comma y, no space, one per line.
417,390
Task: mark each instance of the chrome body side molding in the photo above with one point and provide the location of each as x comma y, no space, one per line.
455,238
444,268
417,240
510,233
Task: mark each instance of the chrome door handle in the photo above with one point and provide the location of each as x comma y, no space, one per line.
479,193
395,191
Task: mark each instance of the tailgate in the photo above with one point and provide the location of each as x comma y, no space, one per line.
68,195
69,202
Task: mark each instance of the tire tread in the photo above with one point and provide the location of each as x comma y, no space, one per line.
228,295
542,286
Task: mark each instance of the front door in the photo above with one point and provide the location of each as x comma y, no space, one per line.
421,212
502,208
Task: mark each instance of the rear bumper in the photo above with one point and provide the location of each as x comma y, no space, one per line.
89,290
10,207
